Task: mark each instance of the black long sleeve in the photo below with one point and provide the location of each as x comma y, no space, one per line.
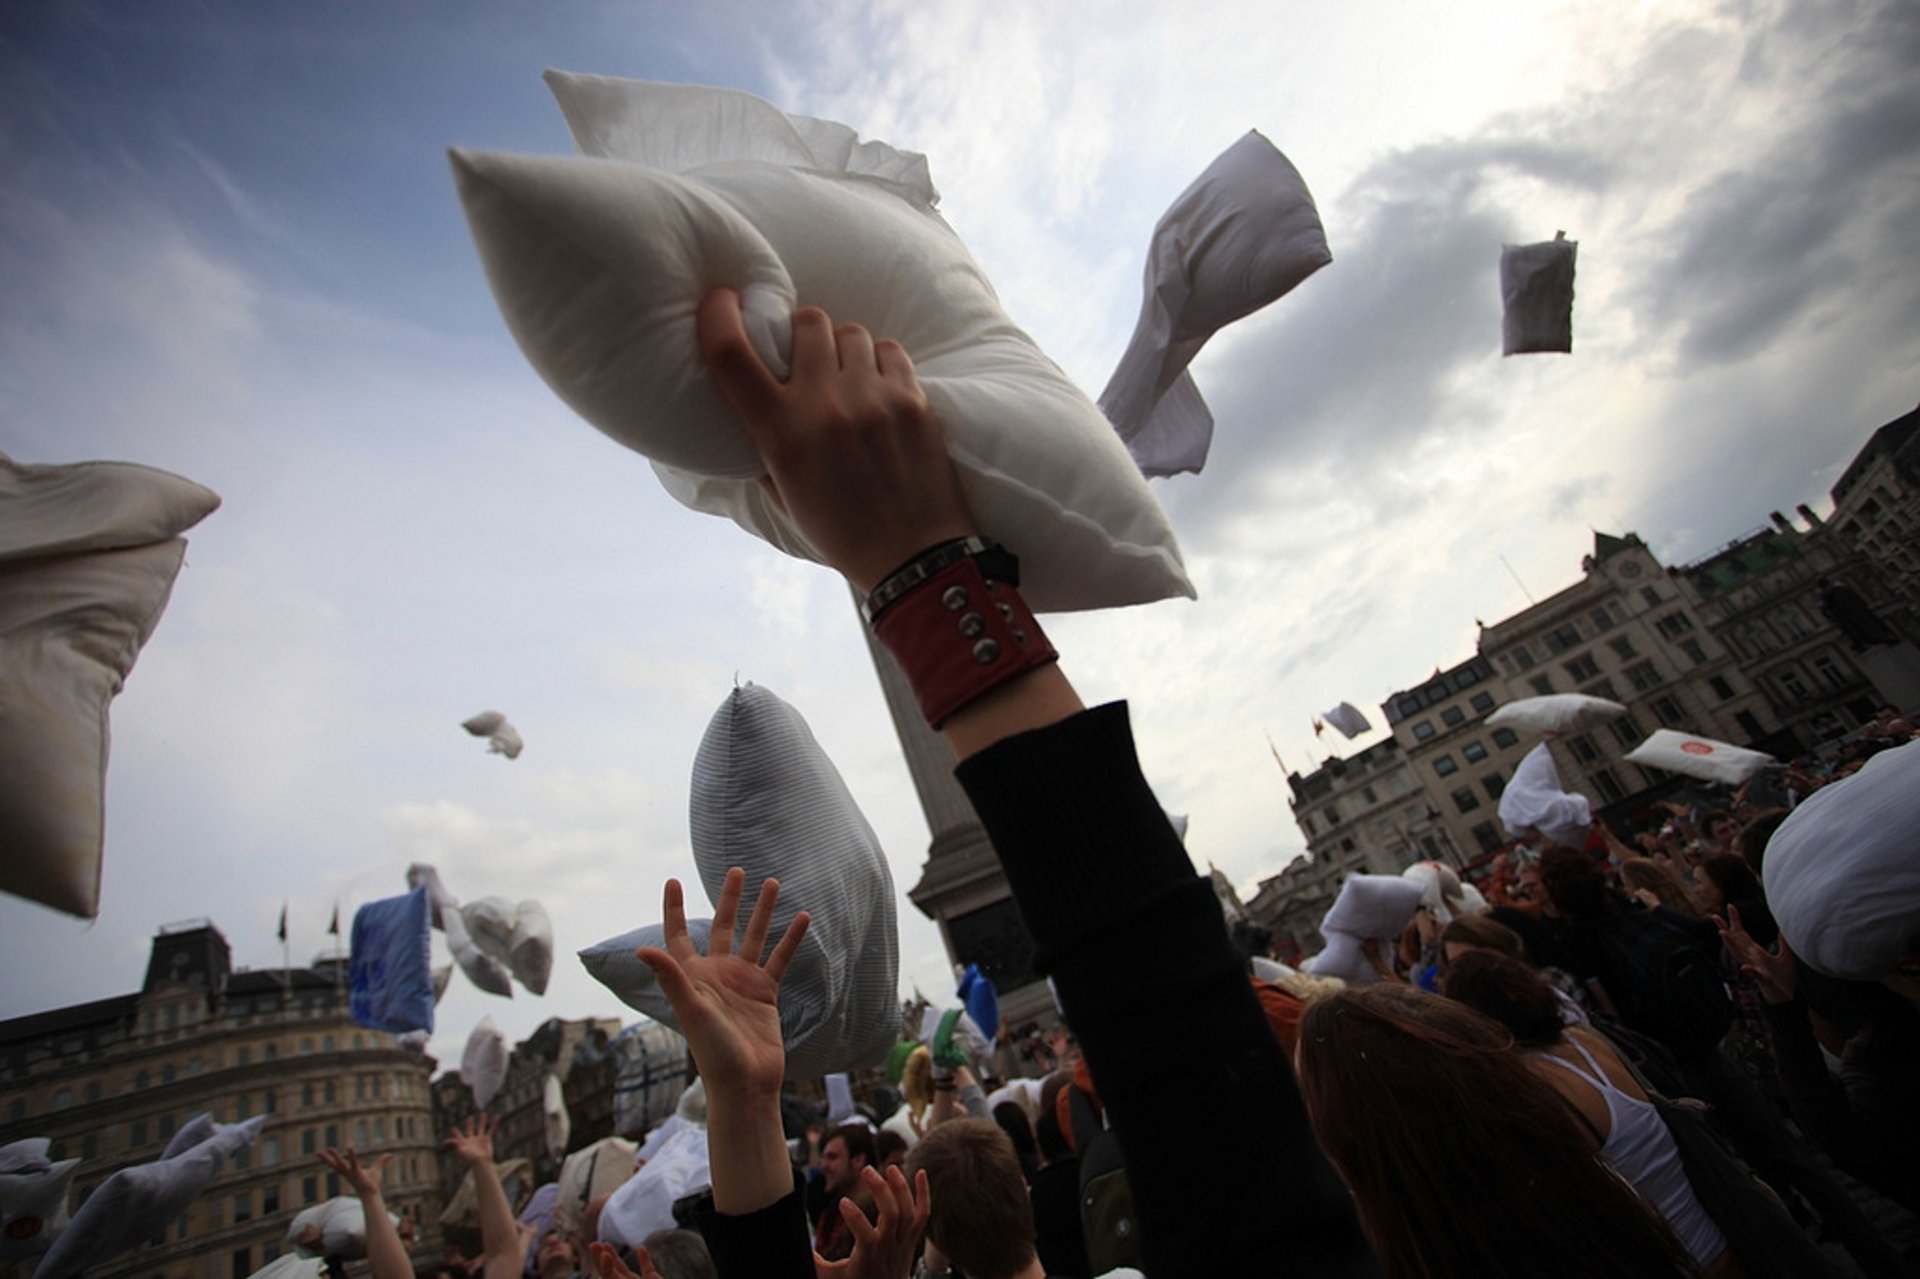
769,1244
1158,998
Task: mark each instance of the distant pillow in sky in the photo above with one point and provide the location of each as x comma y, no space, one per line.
1558,714
137,1203
599,265
1243,235
1841,874
390,972
1349,719
502,738
88,554
766,797
1536,289
1535,801
1701,757
483,1063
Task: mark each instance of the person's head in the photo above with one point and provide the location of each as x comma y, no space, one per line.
680,1254
981,1218
1431,1118
557,1255
889,1149
1511,993
1532,888
1013,1122
1477,932
1573,883
1751,843
847,1150
1663,881
1722,879
1720,827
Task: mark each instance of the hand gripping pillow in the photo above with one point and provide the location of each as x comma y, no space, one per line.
767,798
88,554
599,264
483,1063
1536,290
137,1203
1700,757
1842,874
1556,713
1243,235
1535,801
390,969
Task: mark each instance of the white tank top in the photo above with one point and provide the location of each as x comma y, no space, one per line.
1639,1148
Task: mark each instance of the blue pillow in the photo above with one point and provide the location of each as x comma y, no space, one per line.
391,974
982,1000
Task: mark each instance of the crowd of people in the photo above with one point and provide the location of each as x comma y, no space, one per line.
1620,1068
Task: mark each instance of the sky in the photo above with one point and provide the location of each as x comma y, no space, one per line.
230,248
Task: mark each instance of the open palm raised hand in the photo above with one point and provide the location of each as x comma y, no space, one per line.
727,1000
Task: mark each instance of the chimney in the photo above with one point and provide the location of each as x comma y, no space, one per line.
1781,522
1806,513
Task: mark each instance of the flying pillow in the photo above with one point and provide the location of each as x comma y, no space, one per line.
390,969
33,1198
767,798
1243,235
556,1123
1535,801
650,1072
88,554
1840,873
483,1063
1536,290
599,264
1558,714
1700,757
502,738
1376,906
530,946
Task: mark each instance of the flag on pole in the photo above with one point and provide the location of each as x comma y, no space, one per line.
1276,753
334,927
1319,728
283,921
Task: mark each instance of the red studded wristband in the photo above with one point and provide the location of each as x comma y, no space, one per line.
958,635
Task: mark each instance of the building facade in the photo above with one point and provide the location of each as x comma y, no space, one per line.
111,1081
1876,508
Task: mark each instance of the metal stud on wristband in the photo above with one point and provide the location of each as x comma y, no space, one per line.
958,634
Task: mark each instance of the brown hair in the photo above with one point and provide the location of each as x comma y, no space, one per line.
1509,992
1481,933
1662,881
1751,842
980,1216
1574,883
1461,1160
1732,876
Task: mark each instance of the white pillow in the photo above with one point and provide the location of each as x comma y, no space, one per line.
587,1174
33,1199
1556,714
1701,757
1241,236
1536,290
643,1203
502,738
600,264
767,798
1536,801
88,554
483,1063
530,950
558,1124
1342,959
1842,873
1373,906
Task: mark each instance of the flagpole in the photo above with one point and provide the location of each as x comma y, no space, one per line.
286,952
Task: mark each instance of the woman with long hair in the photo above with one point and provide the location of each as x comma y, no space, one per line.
1460,1159
1655,883
1583,1068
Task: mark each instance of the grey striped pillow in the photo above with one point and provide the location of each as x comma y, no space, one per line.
766,797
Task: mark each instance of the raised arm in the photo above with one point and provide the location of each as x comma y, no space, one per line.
502,1251
386,1254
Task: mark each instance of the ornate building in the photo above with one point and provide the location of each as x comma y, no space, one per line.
111,1081
1876,508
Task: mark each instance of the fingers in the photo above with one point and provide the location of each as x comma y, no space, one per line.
815,354
725,911
789,945
864,1231
855,350
672,978
673,910
645,1258
755,942
895,365
742,380
922,1201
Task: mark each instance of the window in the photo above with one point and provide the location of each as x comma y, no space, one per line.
1504,737
166,1126
376,1078
140,1081
1695,654
62,1098
307,1144
1673,625
1626,732
359,1040
1791,684
1487,836
242,1262
1306,824
380,1128
93,1090
1824,666
1332,815
306,1047
137,1133
1602,688
1453,717
359,1087
166,1073
242,1208
243,1056
1562,638
1583,667
1482,702
360,1133
1423,730
1651,596
1493,784
1346,845
1791,624
309,1189
1523,657
1366,794
1602,620
89,1146
1582,749
269,1052
1465,800
1643,676
333,1135
195,1067
269,1151
270,1199
306,1094
1622,647
1721,689
1473,752
329,1097
1750,725
1444,766
1668,712
1608,785
326,1043
1541,684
